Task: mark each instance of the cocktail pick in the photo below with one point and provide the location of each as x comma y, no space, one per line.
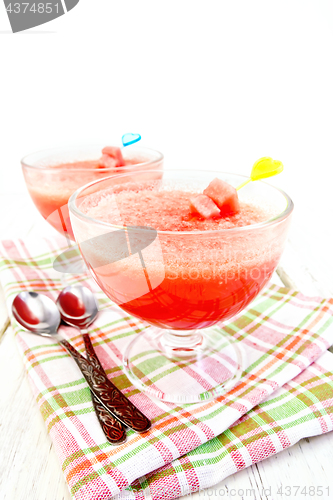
264,167
128,139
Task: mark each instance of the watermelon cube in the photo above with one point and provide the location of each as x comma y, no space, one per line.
107,162
204,206
115,153
224,195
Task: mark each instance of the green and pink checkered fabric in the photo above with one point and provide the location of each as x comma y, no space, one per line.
192,446
301,408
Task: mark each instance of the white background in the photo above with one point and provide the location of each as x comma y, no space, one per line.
210,83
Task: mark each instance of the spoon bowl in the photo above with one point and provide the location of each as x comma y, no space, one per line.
36,313
78,306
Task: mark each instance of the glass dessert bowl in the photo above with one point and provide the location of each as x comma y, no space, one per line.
52,176
181,274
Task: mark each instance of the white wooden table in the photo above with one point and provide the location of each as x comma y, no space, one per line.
29,468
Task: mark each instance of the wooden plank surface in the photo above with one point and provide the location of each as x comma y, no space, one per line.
29,468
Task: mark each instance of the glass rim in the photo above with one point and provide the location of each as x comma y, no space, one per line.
25,162
250,227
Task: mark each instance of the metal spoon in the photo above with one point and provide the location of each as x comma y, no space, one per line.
38,314
78,307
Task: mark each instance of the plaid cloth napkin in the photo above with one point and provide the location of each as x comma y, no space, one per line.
283,332
301,408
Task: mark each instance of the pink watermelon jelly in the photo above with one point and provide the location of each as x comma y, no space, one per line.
107,161
208,275
113,152
224,195
204,206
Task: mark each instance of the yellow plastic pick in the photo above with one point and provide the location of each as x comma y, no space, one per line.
264,167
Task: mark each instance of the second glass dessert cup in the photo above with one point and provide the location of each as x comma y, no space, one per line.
52,176
183,284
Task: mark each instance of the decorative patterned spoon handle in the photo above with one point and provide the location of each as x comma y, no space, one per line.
112,428
122,407
107,393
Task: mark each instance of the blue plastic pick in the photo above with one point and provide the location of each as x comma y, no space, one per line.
129,139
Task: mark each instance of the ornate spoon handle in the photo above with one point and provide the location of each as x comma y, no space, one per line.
105,391
112,428
124,410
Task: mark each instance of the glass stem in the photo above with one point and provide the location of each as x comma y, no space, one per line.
182,343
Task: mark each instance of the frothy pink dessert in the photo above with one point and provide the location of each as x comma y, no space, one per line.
195,279
164,210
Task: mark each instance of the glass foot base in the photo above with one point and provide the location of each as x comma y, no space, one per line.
183,366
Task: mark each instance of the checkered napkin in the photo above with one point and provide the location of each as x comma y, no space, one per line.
282,331
301,408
